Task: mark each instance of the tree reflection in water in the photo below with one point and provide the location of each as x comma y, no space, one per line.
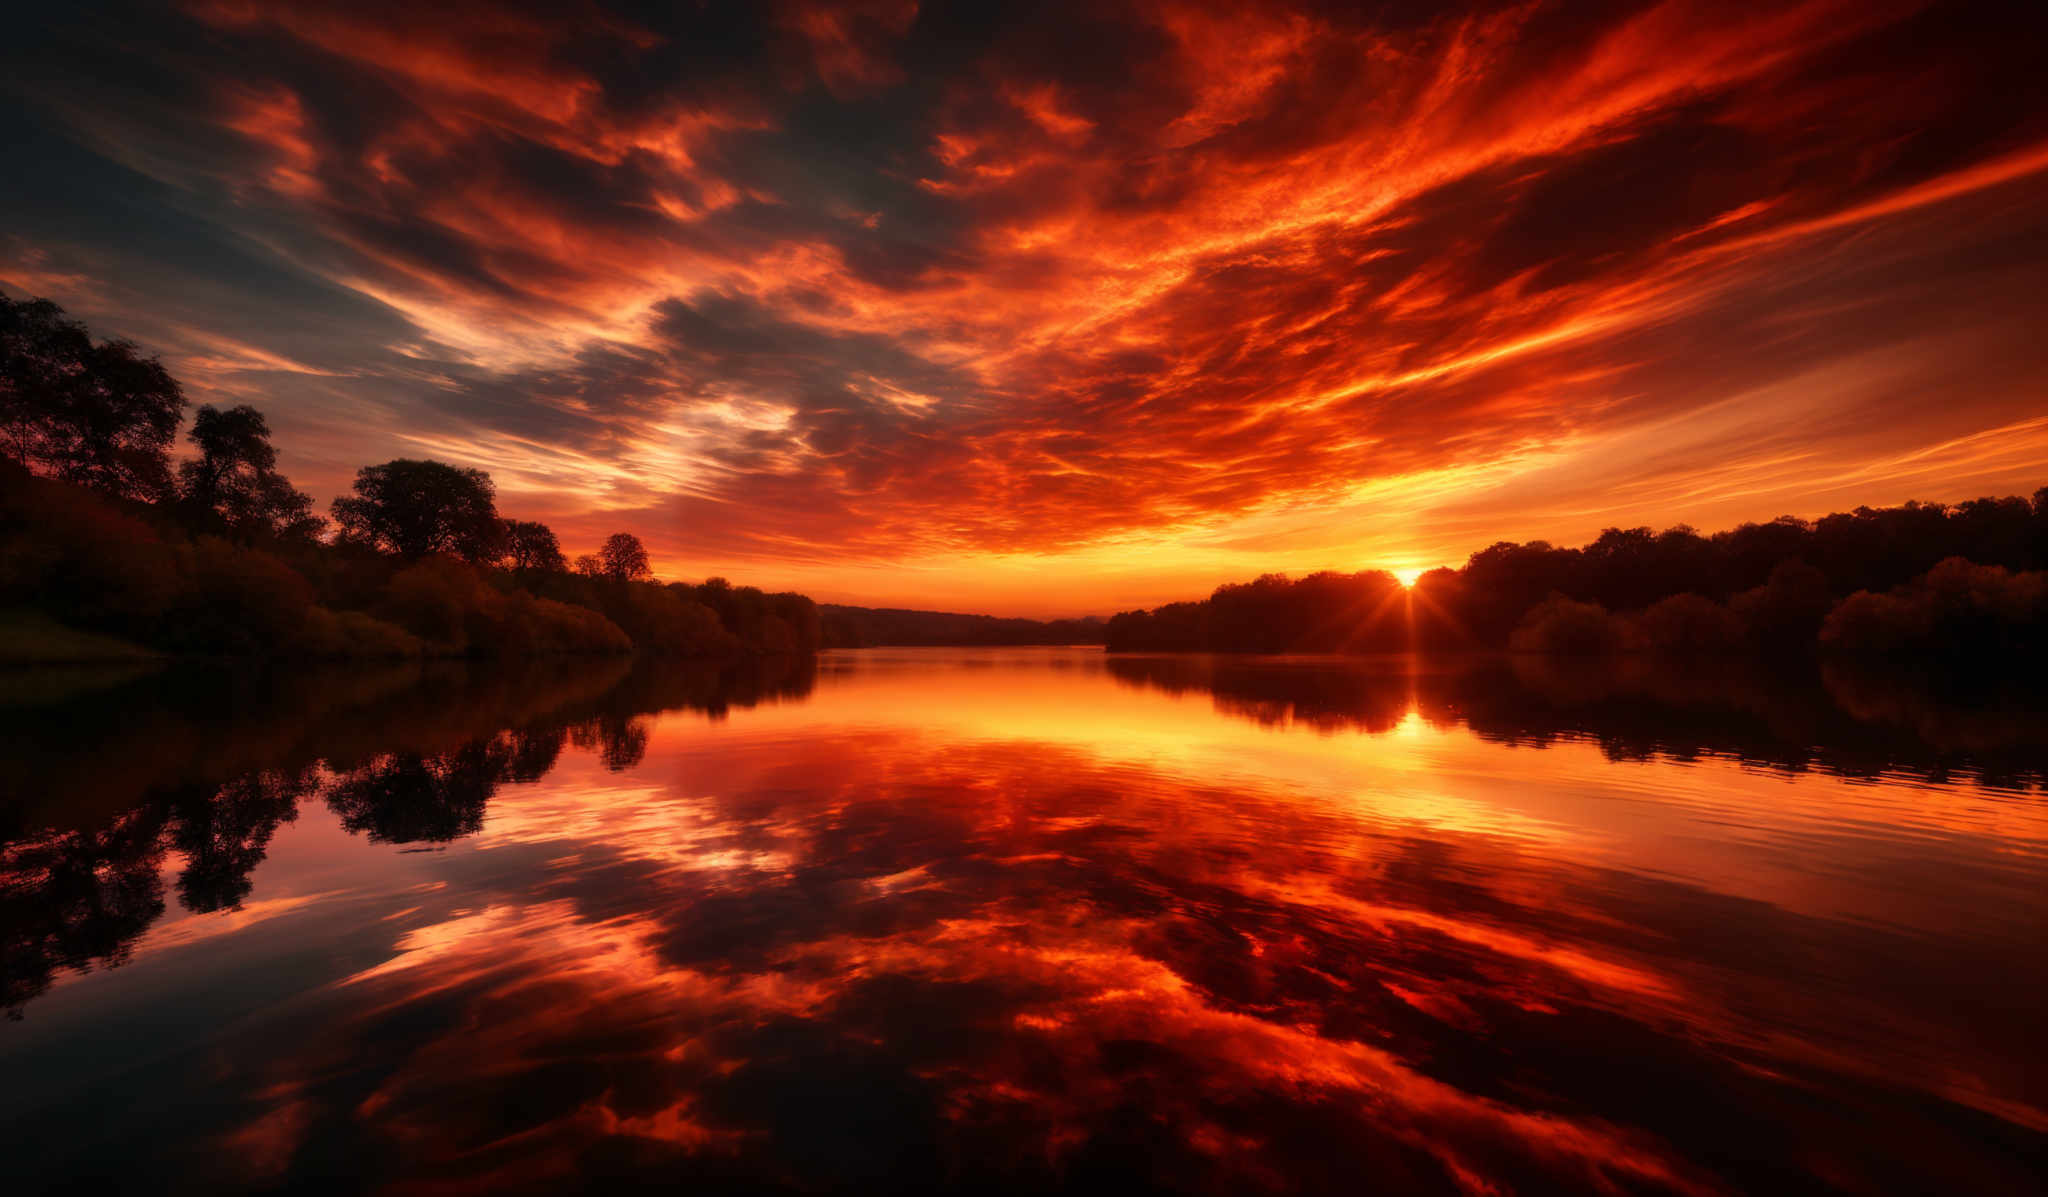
850,953
223,832
76,900
164,755
1853,724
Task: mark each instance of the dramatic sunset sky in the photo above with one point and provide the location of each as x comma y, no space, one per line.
1075,311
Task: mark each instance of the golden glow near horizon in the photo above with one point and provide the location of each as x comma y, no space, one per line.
1240,291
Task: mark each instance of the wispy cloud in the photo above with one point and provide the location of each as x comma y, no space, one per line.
820,291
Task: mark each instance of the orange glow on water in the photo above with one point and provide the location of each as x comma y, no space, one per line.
1030,891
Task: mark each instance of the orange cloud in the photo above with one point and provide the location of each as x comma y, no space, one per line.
835,292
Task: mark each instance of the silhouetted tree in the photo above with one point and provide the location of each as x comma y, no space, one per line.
800,615
624,559
1758,588
40,352
98,414
531,547
417,508
1784,614
665,619
1566,626
1690,625
867,627
234,449
589,565
234,482
240,601
1963,616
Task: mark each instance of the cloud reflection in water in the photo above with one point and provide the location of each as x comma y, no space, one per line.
1149,941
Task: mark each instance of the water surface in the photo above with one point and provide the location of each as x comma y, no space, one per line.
995,920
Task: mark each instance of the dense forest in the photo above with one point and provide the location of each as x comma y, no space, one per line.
1962,584
108,548
873,627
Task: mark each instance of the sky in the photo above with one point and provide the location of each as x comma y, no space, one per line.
1077,308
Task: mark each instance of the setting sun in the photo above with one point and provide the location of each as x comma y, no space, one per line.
826,595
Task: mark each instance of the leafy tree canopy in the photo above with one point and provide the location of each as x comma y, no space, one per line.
531,547
234,481
623,558
419,508
98,414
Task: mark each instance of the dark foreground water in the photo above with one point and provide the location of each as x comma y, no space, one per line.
1016,920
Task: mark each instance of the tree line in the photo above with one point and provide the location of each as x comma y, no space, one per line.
874,627
101,533
1964,583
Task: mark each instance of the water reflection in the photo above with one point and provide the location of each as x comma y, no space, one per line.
164,754
1636,708
1015,921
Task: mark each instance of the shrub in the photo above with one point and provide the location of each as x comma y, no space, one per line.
441,601
1785,613
352,634
1690,625
1567,626
1958,612
108,565
775,635
79,556
240,601
455,609
546,626
661,620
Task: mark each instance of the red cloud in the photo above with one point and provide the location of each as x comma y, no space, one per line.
1159,273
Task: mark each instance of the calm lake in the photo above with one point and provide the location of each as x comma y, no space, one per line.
1020,919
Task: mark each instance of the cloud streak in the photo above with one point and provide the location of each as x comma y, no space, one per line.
1135,293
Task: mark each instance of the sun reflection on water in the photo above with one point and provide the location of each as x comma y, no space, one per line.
1041,920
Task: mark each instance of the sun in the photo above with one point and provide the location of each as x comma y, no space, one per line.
1408,574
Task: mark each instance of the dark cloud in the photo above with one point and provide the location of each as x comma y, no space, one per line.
871,281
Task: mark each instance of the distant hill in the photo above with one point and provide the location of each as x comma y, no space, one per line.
874,627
